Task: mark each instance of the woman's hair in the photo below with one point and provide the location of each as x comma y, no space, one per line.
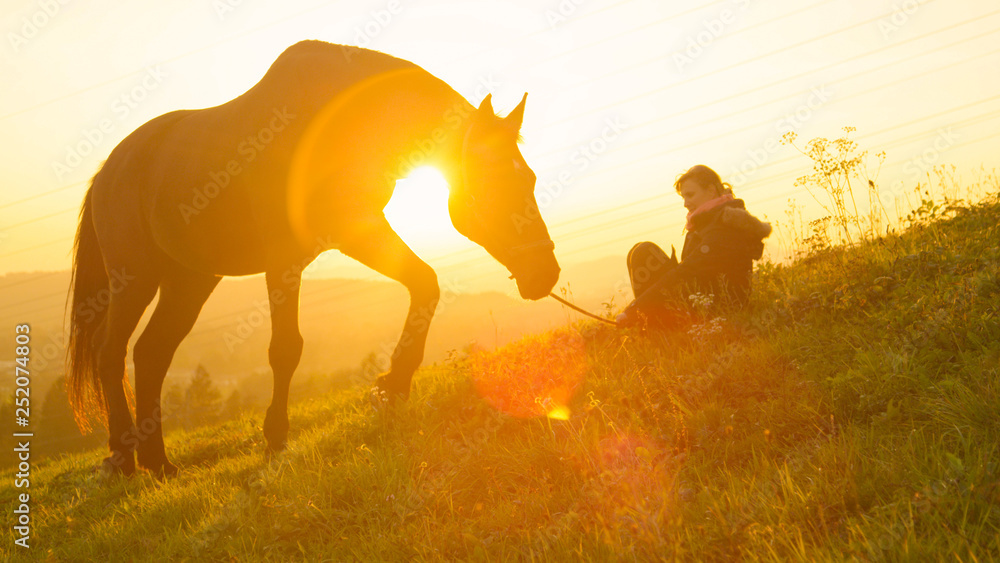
706,177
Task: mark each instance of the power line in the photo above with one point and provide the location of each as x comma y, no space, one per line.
624,34
253,31
730,67
36,247
574,20
777,82
42,217
6,287
43,194
659,59
728,133
172,59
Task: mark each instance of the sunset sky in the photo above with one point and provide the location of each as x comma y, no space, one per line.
622,98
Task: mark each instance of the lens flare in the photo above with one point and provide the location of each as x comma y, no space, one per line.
559,413
332,184
418,211
533,377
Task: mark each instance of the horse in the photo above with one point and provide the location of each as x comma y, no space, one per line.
301,163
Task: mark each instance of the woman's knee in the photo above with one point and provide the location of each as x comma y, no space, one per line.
648,261
639,253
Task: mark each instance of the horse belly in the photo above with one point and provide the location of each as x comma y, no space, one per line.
209,227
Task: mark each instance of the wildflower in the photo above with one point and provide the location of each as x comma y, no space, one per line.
701,301
713,326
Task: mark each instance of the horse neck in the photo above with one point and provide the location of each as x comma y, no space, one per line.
423,122
445,140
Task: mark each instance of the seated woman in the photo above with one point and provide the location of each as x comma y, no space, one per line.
722,242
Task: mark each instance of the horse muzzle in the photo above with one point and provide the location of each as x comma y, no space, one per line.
535,269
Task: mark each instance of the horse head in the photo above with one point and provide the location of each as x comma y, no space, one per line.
493,202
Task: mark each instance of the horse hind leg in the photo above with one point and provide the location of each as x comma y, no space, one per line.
182,296
125,308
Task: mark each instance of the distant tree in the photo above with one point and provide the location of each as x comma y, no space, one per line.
57,431
202,399
233,406
6,423
172,406
195,405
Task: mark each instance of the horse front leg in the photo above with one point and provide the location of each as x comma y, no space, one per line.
283,353
409,351
383,251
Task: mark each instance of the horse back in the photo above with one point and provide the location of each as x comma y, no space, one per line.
212,182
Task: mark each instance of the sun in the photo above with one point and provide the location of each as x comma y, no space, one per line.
418,211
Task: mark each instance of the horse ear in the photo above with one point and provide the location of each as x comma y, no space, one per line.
487,105
516,117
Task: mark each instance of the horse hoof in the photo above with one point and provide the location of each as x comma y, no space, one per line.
275,431
276,439
115,466
160,469
276,443
384,394
276,446
168,470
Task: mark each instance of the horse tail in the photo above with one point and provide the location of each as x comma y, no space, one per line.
87,280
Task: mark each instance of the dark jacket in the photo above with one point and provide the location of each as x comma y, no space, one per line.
717,258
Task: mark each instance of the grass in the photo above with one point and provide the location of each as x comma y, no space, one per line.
850,413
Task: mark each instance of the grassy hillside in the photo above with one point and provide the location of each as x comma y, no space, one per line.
850,413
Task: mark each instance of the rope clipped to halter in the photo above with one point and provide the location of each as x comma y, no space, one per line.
579,310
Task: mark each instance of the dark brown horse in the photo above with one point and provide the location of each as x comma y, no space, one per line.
304,161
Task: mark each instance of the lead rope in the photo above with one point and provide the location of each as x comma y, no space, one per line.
579,310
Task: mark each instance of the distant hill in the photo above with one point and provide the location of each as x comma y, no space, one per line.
342,320
593,283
